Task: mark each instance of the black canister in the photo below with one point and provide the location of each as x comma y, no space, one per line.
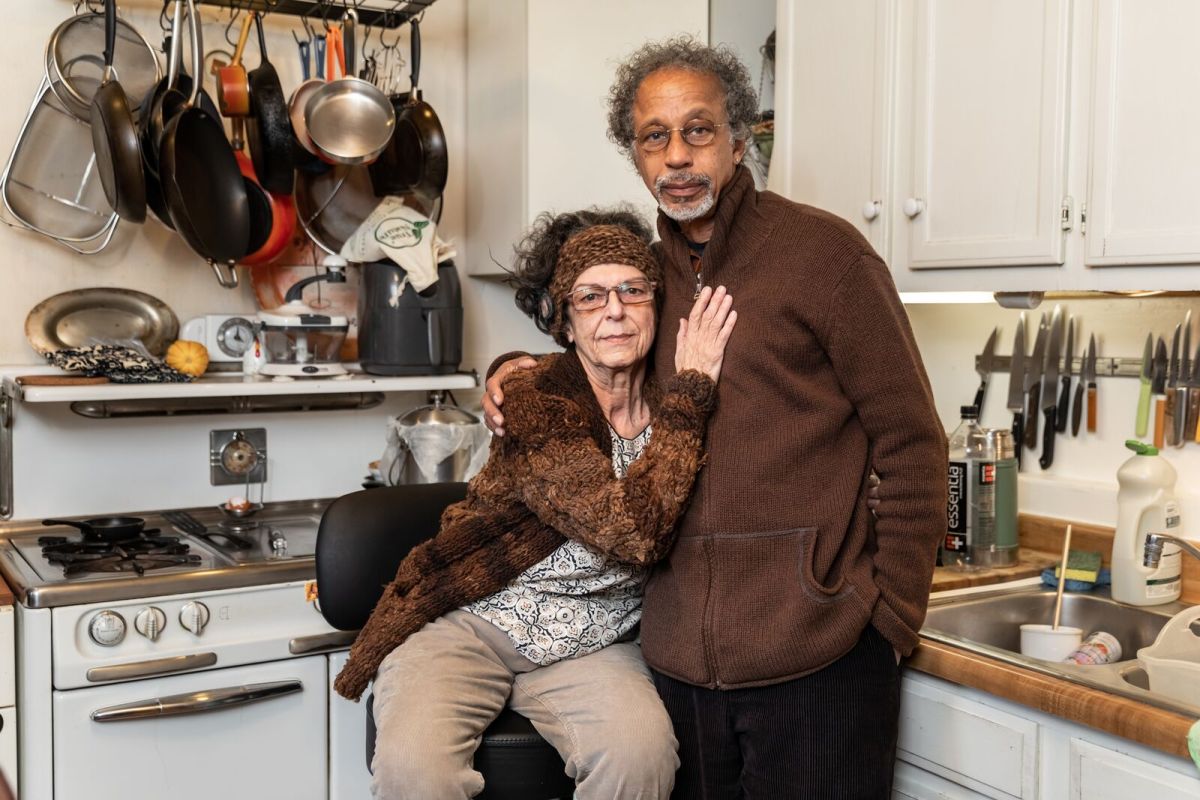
401,332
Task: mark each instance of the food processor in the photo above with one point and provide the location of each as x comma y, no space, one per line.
299,341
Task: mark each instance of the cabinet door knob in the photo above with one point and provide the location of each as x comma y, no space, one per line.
913,206
870,210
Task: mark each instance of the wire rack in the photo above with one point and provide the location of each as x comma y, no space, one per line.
379,13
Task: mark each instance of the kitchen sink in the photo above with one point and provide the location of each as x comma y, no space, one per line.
990,624
996,620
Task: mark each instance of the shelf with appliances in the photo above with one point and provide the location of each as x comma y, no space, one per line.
220,386
966,169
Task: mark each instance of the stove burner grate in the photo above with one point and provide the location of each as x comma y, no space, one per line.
135,554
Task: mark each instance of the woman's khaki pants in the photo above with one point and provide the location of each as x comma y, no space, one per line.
436,693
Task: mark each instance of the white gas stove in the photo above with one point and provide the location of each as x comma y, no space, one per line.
189,660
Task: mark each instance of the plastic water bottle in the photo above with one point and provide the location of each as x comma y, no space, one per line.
971,505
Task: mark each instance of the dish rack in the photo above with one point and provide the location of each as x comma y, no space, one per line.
1173,662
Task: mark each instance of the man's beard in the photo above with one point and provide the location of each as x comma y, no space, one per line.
688,213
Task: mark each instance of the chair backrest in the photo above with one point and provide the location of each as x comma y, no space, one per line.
363,538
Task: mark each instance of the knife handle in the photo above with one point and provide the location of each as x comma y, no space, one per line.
1077,409
1160,411
1182,398
1048,435
979,395
1168,417
1190,431
1031,416
1143,409
1092,408
1018,431
1064,398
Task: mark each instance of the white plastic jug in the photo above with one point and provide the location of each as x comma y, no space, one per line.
1146,504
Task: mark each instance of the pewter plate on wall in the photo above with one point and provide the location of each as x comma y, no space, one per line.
86,316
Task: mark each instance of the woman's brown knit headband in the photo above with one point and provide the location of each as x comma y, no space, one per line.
599,244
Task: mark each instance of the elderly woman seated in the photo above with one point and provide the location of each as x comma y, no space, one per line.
531,591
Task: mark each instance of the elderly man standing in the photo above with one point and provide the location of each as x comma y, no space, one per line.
775,627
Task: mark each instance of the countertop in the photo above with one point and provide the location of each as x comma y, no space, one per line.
6,595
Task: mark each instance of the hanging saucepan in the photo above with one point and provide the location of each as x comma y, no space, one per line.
268,129
115,136
349,120
164,100
416,158
203,187
233,85
104,529
272,216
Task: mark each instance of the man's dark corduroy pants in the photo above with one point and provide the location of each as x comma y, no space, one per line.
830,735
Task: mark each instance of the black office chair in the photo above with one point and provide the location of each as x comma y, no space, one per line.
361,541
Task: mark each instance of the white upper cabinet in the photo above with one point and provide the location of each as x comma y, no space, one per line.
1016,145
538,74
982,133
833,106
1143,200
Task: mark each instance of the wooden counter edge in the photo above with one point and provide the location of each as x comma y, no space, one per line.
6,595
1154,727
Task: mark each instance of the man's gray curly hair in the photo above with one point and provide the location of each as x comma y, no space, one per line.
681,52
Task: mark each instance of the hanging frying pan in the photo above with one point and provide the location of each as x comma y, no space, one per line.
203,187
416,158
268,128
233,85
272,216
164,100
349,120
115,136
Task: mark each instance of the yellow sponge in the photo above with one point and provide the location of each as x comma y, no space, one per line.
1082,566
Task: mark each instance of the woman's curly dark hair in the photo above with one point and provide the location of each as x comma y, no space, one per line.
681,52
537,256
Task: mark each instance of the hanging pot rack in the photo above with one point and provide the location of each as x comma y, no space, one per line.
384,14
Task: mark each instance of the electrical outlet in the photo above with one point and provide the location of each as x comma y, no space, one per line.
237,456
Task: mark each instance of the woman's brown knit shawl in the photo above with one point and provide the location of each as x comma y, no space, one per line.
549,478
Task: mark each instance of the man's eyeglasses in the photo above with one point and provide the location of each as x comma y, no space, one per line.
698,133
630,293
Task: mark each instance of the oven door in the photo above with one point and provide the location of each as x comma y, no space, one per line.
244,732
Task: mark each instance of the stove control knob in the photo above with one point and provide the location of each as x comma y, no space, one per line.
194,616
150,622
107,628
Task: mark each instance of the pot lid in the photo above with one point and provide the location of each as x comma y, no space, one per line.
438,413
298,314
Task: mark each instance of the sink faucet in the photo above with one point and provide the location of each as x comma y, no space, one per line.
1154,548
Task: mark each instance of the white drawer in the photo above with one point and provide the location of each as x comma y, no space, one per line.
1099,773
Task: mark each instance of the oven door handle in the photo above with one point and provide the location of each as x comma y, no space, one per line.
197,702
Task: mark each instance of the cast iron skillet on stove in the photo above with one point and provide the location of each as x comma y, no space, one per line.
104,529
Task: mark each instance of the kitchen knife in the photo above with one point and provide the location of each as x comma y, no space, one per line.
1143,408
1016,386
1159,389
1089,377
986,363
1064,397
1049,384
1171,391
1192,426
1033,383
1182,387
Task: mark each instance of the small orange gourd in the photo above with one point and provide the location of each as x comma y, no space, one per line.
190,358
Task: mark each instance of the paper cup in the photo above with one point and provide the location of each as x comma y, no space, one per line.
1044,642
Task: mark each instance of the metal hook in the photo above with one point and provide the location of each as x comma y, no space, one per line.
233,15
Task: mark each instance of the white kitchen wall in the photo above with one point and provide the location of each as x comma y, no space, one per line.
1081,484
744,25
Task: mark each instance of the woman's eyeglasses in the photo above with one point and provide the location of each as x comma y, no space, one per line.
630,293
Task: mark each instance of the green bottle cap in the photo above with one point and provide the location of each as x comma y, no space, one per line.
1141,448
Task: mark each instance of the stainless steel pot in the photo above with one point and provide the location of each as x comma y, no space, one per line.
454,467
